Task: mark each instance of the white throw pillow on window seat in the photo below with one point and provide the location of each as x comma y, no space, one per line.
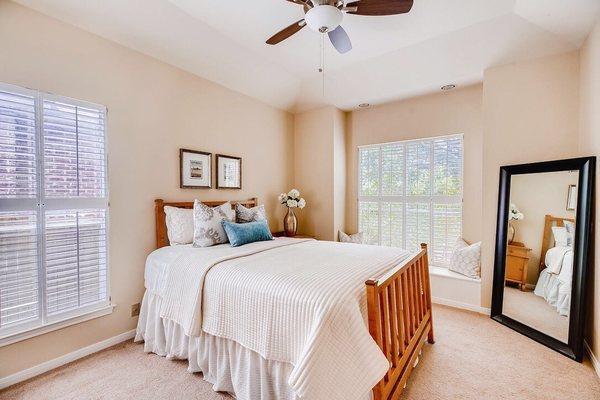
466,258
356,238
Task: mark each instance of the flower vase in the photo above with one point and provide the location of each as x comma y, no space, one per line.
290,223
511,233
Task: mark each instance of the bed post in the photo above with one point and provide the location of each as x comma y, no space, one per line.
160,223
427,284
374,326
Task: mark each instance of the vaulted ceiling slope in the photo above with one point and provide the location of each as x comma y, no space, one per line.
393,57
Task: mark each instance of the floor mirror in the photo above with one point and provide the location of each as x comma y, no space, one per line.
543,245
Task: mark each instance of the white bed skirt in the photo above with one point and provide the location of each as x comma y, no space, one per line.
227,365
554,291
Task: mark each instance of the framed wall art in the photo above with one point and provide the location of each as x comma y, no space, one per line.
195,169
571,197
229,172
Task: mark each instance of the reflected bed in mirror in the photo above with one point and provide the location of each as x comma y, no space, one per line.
542,247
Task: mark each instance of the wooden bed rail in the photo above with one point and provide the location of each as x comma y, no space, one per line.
399,310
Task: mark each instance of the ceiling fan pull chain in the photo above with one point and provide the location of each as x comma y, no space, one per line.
322,69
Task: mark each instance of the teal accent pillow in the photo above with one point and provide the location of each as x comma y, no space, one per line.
241,234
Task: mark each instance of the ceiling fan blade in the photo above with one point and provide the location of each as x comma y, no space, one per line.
287,32
380,7
340,40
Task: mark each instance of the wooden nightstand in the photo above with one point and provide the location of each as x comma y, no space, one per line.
517,258
298,236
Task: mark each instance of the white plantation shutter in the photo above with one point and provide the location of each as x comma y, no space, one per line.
18,161
418,225
411,192
19,302
392,224
53,223
369,172
368,219
74,159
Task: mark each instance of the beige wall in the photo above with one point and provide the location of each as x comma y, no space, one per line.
530,113
439,114
320,170
339,172
313,171
154,109
590,145
538,195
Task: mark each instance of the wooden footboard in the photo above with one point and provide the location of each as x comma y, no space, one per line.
399,309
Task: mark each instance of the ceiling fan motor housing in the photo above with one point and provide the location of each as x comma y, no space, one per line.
324,18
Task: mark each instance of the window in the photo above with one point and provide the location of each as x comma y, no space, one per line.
410,192
53,209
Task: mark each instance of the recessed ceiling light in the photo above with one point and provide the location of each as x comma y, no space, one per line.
364,105
448,87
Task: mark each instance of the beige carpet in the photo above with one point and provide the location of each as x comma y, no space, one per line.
534,311
473,358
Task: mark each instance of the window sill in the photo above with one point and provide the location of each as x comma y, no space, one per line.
446,273
30,333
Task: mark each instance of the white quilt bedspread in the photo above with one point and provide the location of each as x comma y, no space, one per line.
289,300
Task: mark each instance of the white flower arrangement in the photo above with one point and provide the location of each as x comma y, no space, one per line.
514,214
292,199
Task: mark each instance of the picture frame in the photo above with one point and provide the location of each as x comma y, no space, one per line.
572,198
229,172
195,169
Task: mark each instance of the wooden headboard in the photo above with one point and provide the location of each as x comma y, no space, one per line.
547,236
162,239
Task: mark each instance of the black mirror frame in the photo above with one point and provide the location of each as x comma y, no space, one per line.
586,166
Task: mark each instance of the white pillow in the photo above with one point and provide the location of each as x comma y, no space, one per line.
180,225
561,237
570,227
465,259
208,229
356,238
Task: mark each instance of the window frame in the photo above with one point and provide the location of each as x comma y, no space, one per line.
39,205
404,199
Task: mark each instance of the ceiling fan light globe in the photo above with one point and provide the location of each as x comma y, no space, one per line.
323,18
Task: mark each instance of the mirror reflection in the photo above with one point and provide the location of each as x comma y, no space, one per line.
539,253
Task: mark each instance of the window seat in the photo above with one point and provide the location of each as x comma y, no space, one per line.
455,290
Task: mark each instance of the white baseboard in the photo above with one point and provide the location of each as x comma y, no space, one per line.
62,360
463,306
595,362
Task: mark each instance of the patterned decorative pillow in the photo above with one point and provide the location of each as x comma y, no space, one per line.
180,225
570,227
208,229
357,238
466,259
245,214
561,236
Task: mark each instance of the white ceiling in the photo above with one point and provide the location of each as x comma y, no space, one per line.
395,57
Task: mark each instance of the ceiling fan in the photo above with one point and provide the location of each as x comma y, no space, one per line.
325,16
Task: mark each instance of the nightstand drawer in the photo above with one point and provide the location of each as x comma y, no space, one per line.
517,252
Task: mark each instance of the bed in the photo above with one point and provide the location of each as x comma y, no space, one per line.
556,269
288,318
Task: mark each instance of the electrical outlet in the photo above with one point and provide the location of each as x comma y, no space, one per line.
135,310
